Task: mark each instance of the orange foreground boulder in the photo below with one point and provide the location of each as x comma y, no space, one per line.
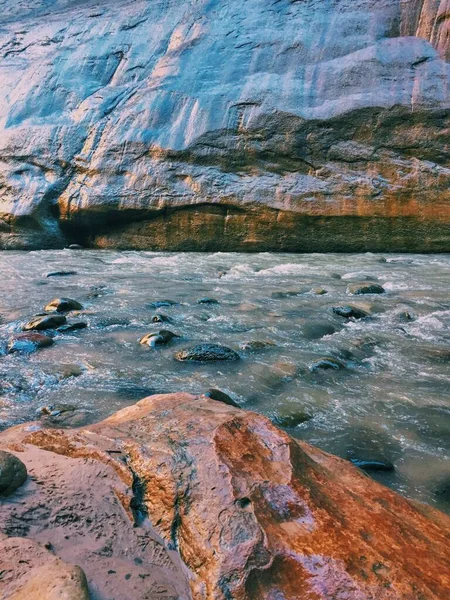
253,513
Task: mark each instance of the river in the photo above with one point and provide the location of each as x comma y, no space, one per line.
389,402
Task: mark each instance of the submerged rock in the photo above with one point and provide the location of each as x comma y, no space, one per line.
357,289
326,364
45,322
317,330
161,318
251,510
72,326
207,301
62,305
163,303
350,312
158,339
28,342
255,345
13,473
207,353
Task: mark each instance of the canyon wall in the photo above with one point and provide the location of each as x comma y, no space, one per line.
294,125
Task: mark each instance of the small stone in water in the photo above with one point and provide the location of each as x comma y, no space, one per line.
156,339
255,345
291,420
365,288
28,342
160,318
315,331
319,291
350,312
13,473
63,305
207,353
61,273
45,322
221,397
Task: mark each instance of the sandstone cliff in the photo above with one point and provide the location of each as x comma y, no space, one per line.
203,124
252,513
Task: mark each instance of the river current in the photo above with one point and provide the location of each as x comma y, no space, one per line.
389,402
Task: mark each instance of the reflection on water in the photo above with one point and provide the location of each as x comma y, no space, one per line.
389,401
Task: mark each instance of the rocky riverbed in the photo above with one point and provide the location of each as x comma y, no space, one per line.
181,497
362,375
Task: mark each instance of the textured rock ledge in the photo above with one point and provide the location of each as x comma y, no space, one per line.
197,125
252,513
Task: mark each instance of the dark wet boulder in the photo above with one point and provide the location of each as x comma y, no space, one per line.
220,396
62,305
406,316
365,287
72,326
159,338
45,322
207,353
61,273
207,300
326,364
350,312
13,473
28,342
317,330
161,318
163,303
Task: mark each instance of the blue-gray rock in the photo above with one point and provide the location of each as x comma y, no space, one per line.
202,124
207,353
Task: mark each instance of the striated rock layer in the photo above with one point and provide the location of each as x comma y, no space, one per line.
297,125
253,514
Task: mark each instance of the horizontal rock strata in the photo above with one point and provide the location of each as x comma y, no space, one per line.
252,513
292,125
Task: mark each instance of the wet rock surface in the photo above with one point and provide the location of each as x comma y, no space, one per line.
357,289
279,515
45,322
62,305
207,353
323,133
28,342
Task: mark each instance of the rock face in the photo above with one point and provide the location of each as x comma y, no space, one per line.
254,514
293,125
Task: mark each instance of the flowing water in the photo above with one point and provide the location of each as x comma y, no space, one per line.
389,402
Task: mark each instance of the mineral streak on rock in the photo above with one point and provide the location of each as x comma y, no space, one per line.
253,513
298,126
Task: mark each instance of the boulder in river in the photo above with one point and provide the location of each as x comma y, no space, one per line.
350,312
45,322
28,342
365,287
158,338
13,473
251,512
62,305
161,318
207,353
